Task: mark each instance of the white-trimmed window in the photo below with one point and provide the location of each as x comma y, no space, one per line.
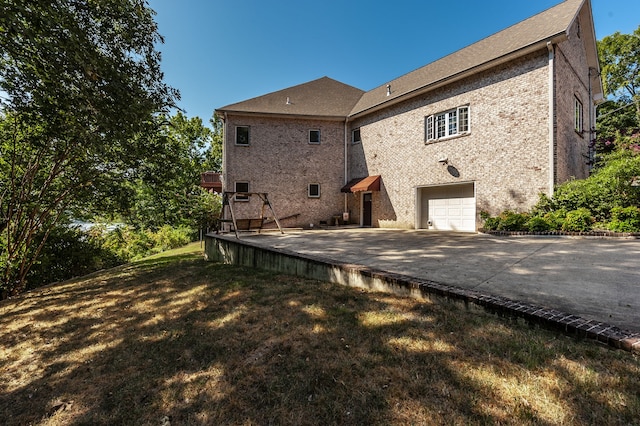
241,186
355,136
447,124
578,116
314,190
314,136
242,135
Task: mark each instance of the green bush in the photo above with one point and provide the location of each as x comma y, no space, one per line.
168,238
578,220
69,253
608,187
538,224
512,221
491,223
625,219
555,219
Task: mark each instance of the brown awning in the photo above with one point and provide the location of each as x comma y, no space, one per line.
369,183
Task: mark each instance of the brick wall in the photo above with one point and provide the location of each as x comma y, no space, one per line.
506,153
280,161
572,80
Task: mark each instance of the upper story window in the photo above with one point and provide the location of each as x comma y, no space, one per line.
314,136
355,136
446,124
314,190
578,116
242,187
242,135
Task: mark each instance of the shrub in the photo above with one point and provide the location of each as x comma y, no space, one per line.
555,219
168,238
69,253
538,224
512,221
625,219
578,220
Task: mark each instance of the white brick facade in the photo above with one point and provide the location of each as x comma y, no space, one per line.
522,139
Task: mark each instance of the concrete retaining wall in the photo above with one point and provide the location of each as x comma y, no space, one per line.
230,250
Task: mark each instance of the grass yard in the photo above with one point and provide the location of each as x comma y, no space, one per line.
176,340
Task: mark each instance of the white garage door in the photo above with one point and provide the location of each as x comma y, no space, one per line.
449,208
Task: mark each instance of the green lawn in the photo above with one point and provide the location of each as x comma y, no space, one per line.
174,339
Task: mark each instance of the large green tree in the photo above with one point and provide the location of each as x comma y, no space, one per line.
620,67
166,190
81,85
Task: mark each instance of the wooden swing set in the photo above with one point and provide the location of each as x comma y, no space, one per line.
251,224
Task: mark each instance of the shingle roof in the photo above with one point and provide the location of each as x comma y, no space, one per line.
538,29
329,98
323,97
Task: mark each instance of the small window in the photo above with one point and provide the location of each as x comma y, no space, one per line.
242,187
447,124
314,136
314,190
355,136
242,135
578,120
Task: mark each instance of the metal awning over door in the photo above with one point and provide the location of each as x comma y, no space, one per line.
369,183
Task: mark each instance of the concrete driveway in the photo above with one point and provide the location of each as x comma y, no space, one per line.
596,279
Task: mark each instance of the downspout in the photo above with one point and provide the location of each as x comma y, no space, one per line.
551,183
346,161
224,153
592,124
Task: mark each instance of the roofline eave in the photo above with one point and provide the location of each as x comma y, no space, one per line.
222,112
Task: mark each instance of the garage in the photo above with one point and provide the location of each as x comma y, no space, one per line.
448,207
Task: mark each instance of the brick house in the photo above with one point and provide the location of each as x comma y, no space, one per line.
486,128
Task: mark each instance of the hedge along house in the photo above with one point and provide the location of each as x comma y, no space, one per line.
487,128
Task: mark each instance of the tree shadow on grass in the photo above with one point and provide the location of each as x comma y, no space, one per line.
205,343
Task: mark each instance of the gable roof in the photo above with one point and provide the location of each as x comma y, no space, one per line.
330,99
551,25
321,98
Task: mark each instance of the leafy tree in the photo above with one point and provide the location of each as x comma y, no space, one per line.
213,162
620,67
166,190
82,85
615,118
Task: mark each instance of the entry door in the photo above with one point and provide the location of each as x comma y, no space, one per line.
367,207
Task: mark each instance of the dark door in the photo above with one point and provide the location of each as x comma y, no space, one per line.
366,209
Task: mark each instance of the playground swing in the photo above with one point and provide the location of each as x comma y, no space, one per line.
247,224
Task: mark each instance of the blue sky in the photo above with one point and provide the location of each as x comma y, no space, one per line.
218,52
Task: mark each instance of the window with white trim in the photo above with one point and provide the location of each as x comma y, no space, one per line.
241,187
314,136
447,124
242,135
578,116
355,136
314,190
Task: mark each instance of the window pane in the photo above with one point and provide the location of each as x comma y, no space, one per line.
355,136
242,187
578,116
314,190
314,136
242,135
441,125
453,123
430,133
463,119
